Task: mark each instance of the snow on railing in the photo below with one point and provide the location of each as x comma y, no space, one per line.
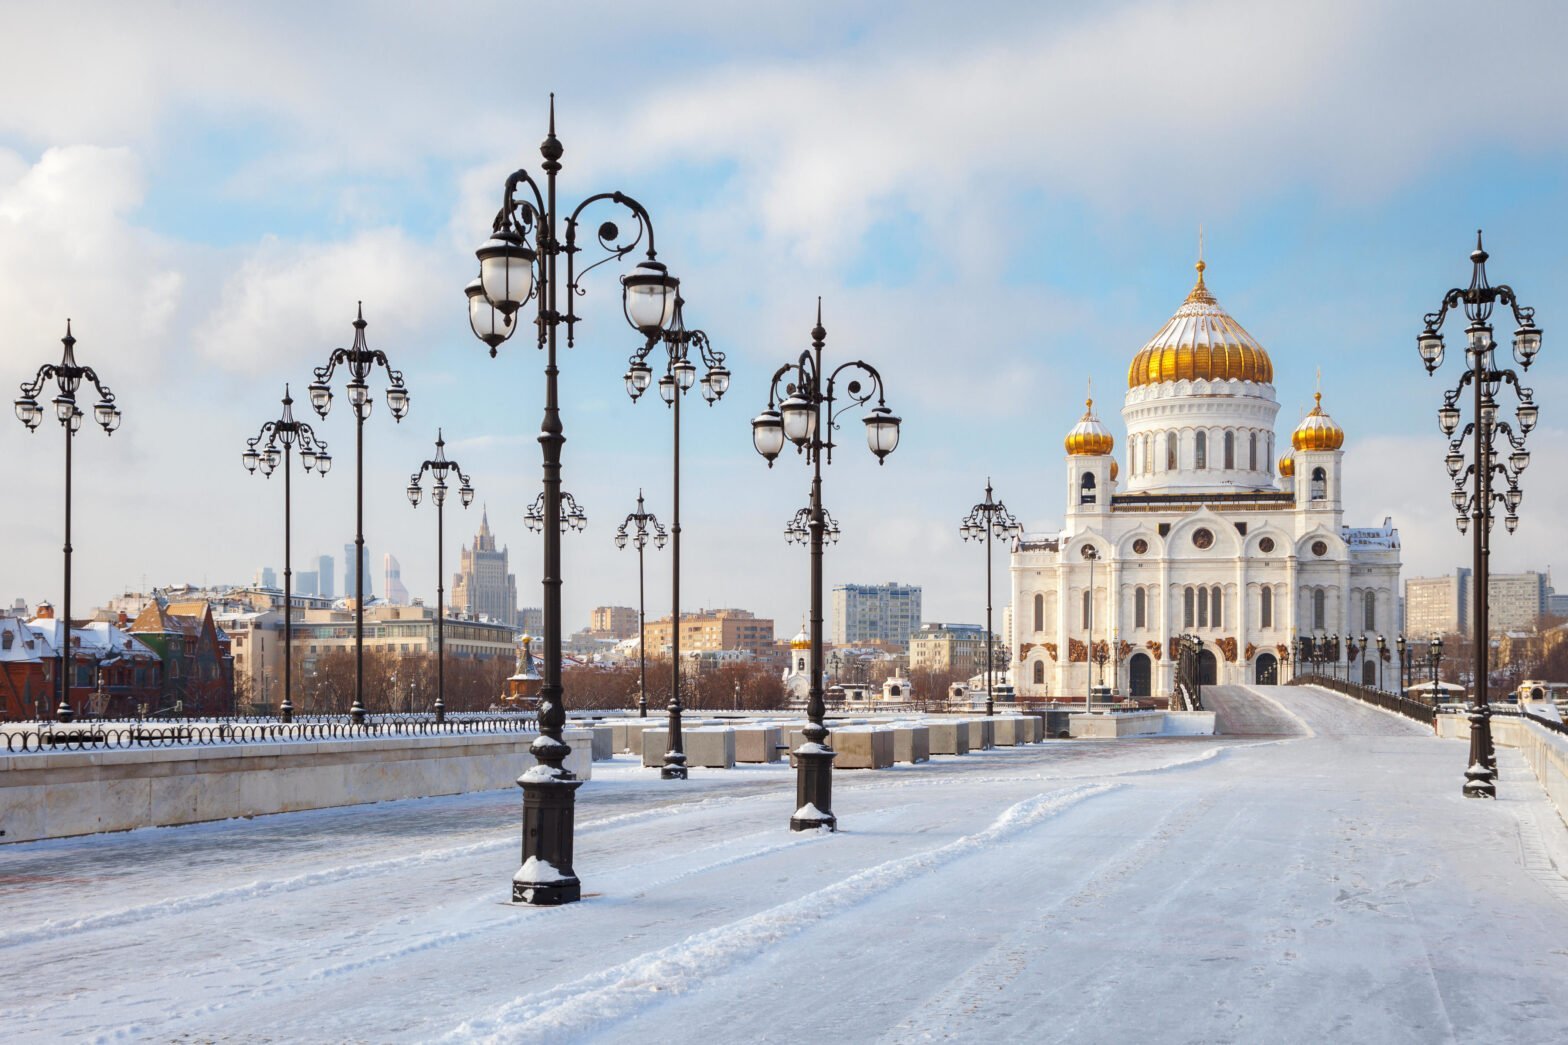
98,736
1367,695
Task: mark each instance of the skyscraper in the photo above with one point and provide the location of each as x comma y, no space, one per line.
393,588
348,572
875,613
266,577
484,585
324,576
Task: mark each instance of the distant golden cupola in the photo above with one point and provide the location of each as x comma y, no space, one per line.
1201,342
1089,438
1287,466
1317,431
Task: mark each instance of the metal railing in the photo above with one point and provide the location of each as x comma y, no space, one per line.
119,735
1367,695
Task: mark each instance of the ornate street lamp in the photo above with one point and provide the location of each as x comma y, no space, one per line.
800,410
1092,555
638,528
1382,655
1475,505
360,362
68,377
1404,662
680,374
517,264
1434,658
440,466
261,451
990,518
572,517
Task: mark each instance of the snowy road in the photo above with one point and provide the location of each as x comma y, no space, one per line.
1328,883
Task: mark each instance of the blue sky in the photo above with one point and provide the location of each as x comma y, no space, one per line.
995,210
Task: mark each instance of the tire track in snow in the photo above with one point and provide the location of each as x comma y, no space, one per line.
592,1002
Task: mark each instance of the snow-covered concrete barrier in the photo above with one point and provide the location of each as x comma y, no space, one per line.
863,747
57,795
1542,747
1188,724
1104,725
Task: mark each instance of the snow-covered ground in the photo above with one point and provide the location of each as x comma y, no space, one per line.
1331,885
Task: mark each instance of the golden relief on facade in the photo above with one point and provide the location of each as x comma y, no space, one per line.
1227,646
1077,651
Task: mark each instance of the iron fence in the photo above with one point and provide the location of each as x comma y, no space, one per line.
93,736
1367,695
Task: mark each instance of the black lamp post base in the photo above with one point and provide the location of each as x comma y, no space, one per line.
286,711
356,714
673,770
1478,782
440,711
814,788
546,878
64,713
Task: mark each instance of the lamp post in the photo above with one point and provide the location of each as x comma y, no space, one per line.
439,468
517,264
987,519
68,377
641,523
360,362
800,409
680,373
1475,506
1091,553
1434,657
572,517
261,451
1404,662
1382,654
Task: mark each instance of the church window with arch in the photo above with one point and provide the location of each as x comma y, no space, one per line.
1140,608
1266,608
1319,484
1039,673
1230,449
1252,451
1039,612
1200,453
1088,608
1216,604
1203,607
1086,490
1319,609
1370,604
1170,451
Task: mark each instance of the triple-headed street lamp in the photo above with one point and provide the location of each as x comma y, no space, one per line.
640,527
990,518
68,377
261,451
360,362
1475,506
800,409
519,263
680,373
440,467
572,516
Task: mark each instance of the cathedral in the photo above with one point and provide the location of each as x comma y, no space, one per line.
1202,535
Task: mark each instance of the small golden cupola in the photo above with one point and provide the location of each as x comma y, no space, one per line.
1287,466
1089,438
1317,431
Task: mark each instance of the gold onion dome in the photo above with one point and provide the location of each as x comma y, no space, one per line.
1201,343
1287,466
800,641
1317,431
1089,437
1114,471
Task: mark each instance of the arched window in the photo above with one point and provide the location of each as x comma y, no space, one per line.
1230,449
1319,484
1086,494
1266,608
1319,609
1215,606
1148,455
1088,608
1186,608
1039,673
1170,451
1140,609
1371,611
1203,608
1039,613
1201,453
1252,451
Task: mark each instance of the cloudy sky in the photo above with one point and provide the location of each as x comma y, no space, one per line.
995,210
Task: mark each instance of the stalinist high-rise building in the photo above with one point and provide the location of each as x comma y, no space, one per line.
484,585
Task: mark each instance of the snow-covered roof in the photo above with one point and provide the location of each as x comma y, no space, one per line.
96,638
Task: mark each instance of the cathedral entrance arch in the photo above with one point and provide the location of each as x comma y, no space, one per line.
1140,675
1208,668
1266,670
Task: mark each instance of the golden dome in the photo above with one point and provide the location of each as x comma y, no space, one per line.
1089,437
1201,343
1317,431
800,641
1114,471
1287,466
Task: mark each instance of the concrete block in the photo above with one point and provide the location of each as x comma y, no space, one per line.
757,743
627,736
1005,730
981,735
603,741
655,742
949,736
911,743
863,747
712,747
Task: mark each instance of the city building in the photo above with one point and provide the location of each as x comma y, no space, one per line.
1438,605
958,648
726,629
406,630
530,620
266,577
1516,602
1201,535
198,663
324,576
112,673
865,613
307,582
392,584
256,639
484,588
348,573
613,622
